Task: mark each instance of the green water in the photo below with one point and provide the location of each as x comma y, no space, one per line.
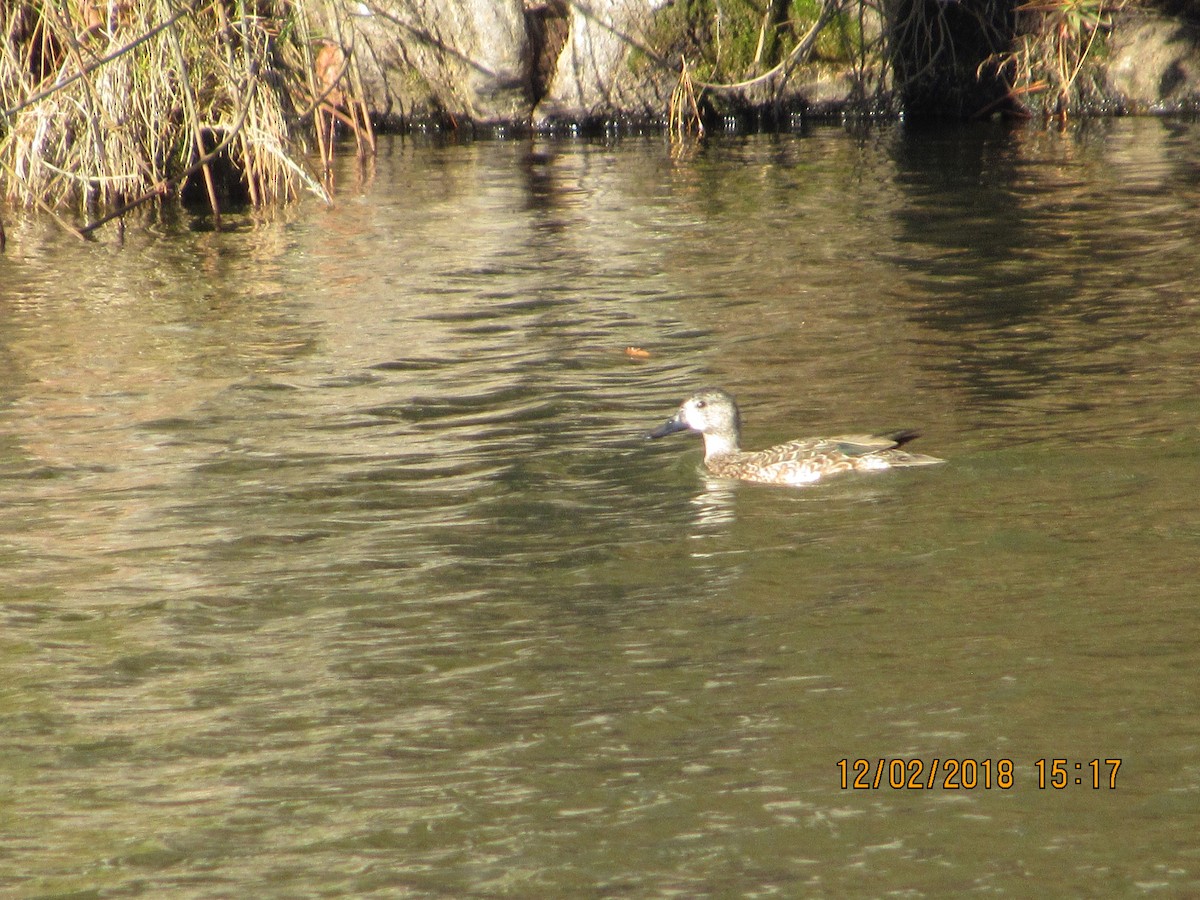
335,563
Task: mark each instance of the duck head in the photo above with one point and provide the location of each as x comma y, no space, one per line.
714,414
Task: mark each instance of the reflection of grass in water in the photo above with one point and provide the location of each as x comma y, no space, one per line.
105,104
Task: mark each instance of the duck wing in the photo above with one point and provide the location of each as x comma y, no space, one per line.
842,445
867,450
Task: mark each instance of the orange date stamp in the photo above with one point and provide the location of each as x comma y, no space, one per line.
969,774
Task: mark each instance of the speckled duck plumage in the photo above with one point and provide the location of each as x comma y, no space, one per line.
714,414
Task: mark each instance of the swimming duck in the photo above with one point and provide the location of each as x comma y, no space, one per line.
714,414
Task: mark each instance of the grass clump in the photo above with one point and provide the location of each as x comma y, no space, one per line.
1055,42
106,104
732,40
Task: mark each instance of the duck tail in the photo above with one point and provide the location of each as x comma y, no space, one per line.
903,437
898,457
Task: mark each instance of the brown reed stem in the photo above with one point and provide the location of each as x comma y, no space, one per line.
189,100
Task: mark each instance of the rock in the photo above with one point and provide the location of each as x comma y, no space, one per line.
539,62
599,75
463,60
1154,63
581,62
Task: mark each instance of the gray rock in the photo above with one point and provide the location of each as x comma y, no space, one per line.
464,59
546,62
603,70
1154,63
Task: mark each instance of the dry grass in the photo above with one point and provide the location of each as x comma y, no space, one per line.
1054,42
683,112
107,104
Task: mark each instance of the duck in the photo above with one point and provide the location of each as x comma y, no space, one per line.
714,414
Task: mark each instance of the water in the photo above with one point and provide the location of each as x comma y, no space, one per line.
335,563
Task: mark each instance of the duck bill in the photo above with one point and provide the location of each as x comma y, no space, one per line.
672,425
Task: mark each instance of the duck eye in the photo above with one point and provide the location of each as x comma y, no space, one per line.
700,404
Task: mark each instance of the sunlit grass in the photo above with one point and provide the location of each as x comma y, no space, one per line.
107,105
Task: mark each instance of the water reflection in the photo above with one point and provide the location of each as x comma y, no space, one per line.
1042,288
336,562
715,506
